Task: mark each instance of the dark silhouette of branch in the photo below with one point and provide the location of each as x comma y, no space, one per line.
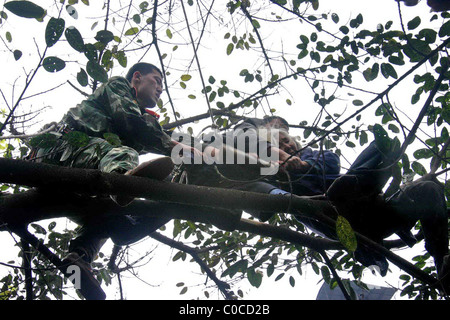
250,18
436,161
155,43
423,111
26,264
335,275
182,201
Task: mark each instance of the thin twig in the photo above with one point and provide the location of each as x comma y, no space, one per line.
221,285
198,62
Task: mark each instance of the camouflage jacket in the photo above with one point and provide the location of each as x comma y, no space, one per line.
113,108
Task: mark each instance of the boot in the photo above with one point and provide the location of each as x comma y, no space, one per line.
157,169
88,286
444,275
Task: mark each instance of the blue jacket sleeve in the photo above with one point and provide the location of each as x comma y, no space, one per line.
322,162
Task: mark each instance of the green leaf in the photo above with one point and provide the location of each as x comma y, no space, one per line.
270,269
292,281
122,58
211,80
51,225
230,48
106,59
53,64
137,18
240,266
444,31
25,9
350,144
325,274
418,168
387,70
345,234
54,31
96,71
90,51
396,60
382,140
429,35
414,23
38,229
256,24
82,78
186,77
278,277
77,139
132,31
344,29
393,128
72,11
104,36
335,17
75,39
363,138
370,74
423,153
255,278
303,54
184,290
17,54
47,140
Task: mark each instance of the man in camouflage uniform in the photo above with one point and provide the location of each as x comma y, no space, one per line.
108,131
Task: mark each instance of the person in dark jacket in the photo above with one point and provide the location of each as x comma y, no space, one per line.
358,195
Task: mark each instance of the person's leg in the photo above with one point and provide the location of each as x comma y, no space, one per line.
82,252
365,178
98,154
425,201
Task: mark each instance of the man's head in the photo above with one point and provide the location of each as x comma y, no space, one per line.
281,139
276,122
146,79
288,144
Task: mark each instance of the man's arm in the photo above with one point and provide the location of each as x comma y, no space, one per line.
128,121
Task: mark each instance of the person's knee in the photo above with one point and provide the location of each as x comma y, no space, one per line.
426,194
119,159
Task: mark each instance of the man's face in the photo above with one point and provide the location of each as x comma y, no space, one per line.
148,88
287,144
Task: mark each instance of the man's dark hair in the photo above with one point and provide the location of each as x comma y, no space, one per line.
282,120
142,67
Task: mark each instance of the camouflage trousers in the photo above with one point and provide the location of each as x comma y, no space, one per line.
97,153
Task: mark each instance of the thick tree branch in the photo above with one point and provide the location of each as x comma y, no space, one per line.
92,182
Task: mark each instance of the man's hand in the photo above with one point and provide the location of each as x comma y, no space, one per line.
292,163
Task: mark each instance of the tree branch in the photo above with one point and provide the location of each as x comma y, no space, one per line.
223,286
14,209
